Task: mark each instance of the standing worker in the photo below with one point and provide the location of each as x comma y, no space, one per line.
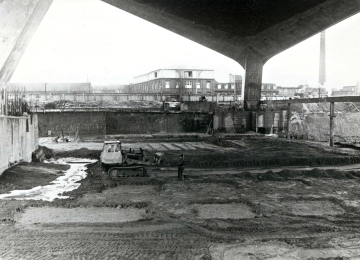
181,168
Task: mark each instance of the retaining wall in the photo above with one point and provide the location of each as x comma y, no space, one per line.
86,123
102,123
144,123
18,139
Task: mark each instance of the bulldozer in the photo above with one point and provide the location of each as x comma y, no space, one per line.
118,162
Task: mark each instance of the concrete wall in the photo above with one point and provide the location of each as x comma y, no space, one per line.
198,106
85,123
101,123
276,119
18,139
144,123
232,121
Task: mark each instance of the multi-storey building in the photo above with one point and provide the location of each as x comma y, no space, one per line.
183,82
175,81
292,91
269,90
233,87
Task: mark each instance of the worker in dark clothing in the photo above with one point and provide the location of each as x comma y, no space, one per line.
181,168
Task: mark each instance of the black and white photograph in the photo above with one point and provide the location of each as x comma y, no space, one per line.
179,129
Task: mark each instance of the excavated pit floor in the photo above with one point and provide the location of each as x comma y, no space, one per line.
298,213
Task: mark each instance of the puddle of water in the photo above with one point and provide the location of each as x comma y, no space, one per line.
62,184
49,215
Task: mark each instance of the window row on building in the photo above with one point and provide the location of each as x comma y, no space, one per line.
176,81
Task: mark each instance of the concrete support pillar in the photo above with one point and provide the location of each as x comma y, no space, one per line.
288,114
253,76
332,116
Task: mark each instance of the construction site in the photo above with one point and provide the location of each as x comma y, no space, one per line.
297,200
211,173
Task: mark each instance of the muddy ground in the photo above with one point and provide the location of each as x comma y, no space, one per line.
222,210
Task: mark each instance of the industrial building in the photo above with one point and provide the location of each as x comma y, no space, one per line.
184,81
292,91
269,90
175,81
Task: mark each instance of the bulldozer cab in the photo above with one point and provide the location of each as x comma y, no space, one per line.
111,153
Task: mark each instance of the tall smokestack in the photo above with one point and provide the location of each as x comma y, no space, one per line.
322,67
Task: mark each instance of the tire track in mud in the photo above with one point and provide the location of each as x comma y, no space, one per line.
180,243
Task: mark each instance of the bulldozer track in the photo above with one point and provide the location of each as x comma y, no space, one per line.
119,172
180,243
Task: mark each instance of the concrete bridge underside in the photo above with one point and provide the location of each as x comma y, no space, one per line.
248,31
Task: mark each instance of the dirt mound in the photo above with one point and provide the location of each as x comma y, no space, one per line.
269,176
288,173
42,153
217,140
339,174
81,153
354,173
316,172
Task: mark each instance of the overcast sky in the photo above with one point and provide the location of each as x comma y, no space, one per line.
82,40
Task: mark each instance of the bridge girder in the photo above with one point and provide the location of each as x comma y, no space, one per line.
235,27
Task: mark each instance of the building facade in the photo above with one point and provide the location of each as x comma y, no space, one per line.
292,92
184,82
233,87
269,90
175,81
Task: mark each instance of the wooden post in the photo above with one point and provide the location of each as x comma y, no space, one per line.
288,114
332,115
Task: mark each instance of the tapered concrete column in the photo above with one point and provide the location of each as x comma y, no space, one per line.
332,115
253,76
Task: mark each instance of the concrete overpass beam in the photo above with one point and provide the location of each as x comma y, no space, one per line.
253,78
